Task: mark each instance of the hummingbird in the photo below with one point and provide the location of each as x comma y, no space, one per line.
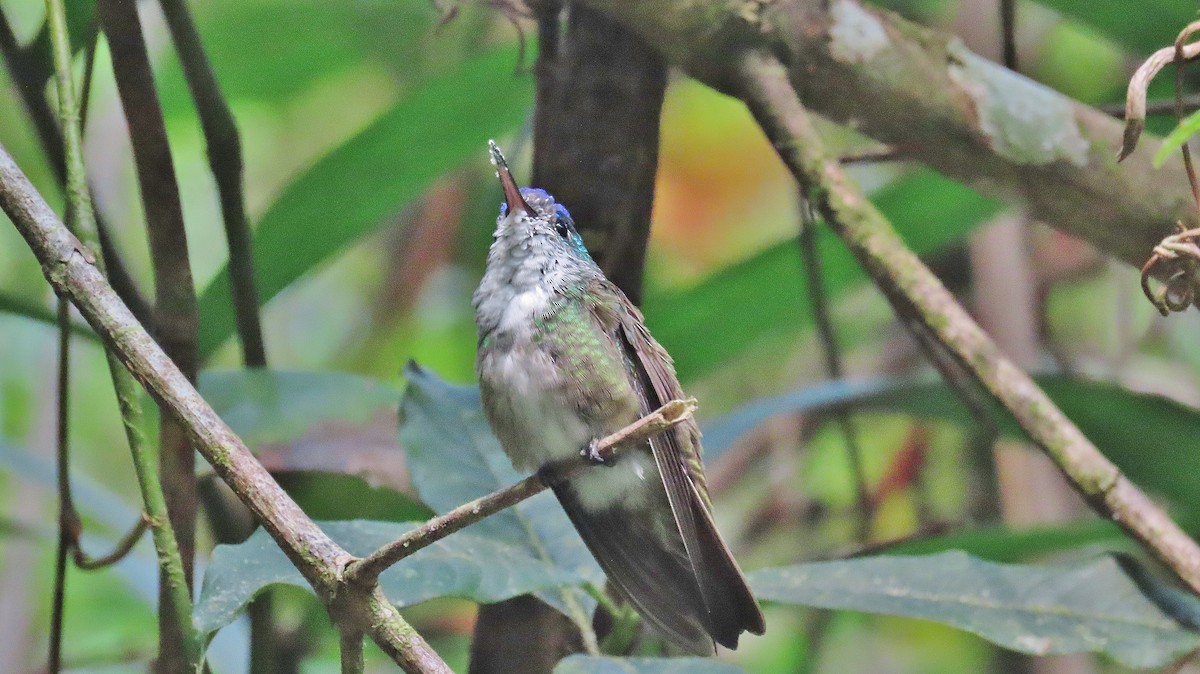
564,358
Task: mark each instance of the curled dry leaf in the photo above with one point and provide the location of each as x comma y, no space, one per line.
1179,255
1135,98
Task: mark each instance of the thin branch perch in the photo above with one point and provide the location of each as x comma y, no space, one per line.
365,572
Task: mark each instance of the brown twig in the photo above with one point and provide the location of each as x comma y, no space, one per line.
872,156
175,295
225,160
123,547
1135,96
365,572
1191,103
89,69
224,150
1008,32
68,518
928,530
1176,259
1180,254
1183,148
819,302
915,291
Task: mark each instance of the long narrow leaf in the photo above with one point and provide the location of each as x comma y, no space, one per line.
1180,135
1153,24
351,191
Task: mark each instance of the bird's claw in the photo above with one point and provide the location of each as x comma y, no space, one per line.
593,454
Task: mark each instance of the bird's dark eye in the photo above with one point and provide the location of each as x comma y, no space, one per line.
562,222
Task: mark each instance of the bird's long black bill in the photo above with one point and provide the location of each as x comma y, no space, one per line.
512,193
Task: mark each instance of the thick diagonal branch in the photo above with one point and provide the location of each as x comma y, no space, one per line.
917,294
70,270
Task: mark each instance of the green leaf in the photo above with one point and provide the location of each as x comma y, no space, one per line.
80,16
721,434
350,192
765,294
97,503
1180,135
463,565
590,664
270,406
343,489
1154,24
265,51
328,437
885,394
91,498
35,310
1040,610
1002,544
454,458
